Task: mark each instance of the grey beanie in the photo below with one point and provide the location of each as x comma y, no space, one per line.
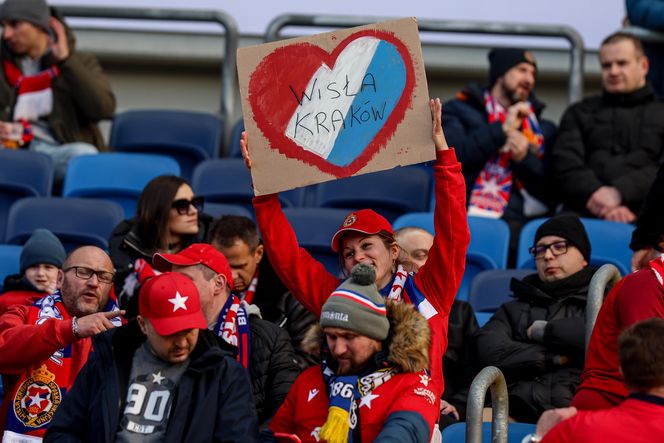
357,305
33,11
42,247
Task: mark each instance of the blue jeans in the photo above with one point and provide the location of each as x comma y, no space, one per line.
61,154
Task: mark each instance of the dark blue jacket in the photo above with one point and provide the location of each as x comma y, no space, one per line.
475,141
646,13
213,401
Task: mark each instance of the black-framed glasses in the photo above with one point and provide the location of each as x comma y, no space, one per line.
182,205
557,248
85,273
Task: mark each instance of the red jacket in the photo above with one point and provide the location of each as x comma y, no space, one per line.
11,298
635,421
438,280
636,297
305,409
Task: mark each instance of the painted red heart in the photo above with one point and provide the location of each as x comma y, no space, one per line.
275,89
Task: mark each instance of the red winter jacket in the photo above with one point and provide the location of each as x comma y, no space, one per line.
437,281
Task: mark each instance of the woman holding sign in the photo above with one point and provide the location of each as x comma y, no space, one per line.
366,237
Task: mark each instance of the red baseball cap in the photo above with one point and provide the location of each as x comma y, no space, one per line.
197,253
365,221
170,301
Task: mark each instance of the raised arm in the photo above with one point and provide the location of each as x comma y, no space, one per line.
304,276
441,276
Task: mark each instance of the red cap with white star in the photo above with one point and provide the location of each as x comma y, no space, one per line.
170,301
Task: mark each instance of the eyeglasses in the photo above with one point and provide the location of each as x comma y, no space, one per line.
86,274
557,248
182,205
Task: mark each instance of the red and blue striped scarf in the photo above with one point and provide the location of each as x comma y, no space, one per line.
233,327
491,191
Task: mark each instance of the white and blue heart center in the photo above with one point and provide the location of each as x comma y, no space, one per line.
342,109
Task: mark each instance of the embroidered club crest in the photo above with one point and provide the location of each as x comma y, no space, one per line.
37,398
350,220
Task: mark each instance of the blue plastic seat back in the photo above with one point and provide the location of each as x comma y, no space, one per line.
217,210
22,174
224,180
314,229
516,432
188,136
609,243
235,151
491,288
118,177
75,221
391,193
9,262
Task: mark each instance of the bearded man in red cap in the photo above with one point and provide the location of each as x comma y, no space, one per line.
162,377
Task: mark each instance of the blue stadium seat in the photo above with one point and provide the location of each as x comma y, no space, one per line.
609,242
391,193
516,432
491,288
22,174
314,228
75,221
489,244
234,150
9,262
216,210
117,177
187,136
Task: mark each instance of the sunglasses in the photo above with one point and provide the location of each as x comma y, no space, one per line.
182,205
557,248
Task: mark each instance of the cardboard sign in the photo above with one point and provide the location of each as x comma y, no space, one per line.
335,105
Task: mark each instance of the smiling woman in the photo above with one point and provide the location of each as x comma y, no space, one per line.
168,219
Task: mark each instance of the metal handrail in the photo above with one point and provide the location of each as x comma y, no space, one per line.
605,277
577,48
645,35
229,63
489,378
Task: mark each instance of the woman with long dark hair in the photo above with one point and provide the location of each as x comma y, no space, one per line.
168,219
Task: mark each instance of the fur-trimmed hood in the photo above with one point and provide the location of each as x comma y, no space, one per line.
408,341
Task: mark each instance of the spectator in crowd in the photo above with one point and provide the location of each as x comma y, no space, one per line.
610,146
161,377
502,143
647,237
372,383
43,346
40,262
366,237
168,219
462,324
538,340
255,281
649,14
636,297
51,95
640,418
262,348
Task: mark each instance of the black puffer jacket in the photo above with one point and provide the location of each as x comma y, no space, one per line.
475,141
609,140
212,401
650,225
278,306
535,376
125,247
272,367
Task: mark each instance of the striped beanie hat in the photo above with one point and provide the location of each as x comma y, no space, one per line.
357,305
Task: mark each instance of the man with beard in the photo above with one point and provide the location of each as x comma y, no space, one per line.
538,340
501,142
371,384
44,345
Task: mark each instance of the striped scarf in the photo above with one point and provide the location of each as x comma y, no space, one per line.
39,390
491,191
233,327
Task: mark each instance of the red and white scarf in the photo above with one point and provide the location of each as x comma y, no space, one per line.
34,93
248,294
491,191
